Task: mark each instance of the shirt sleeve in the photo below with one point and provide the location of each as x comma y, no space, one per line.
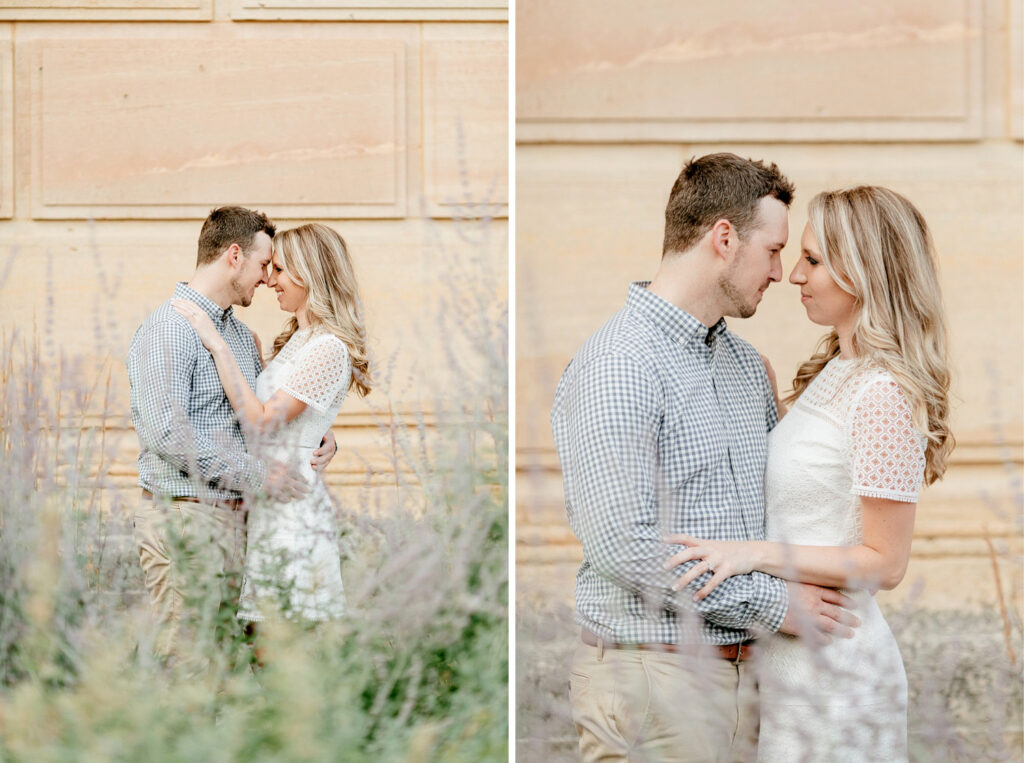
887,454
320,372
166,362
612,421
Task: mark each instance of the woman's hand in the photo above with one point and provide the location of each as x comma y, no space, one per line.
771,374
259,344
722,557
775,384
195,315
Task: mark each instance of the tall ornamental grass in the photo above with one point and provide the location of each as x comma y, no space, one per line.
416,670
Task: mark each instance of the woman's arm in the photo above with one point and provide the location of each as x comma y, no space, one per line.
775,385
880,561
279,409
254,415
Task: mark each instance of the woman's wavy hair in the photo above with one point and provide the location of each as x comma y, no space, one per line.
877,247
315,257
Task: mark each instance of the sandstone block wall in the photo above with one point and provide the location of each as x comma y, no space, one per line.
923,97
123,124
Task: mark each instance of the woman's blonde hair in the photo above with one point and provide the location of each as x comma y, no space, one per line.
315,257
876,246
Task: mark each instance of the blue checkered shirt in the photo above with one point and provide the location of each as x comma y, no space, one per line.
661,426
190,442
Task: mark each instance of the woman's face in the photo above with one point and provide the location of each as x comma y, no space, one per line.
826,304
290,296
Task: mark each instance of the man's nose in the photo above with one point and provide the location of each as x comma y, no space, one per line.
775,274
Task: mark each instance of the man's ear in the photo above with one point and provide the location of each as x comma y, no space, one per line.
724,238
234,255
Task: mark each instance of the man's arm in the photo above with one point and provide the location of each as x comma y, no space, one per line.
613,426
166,361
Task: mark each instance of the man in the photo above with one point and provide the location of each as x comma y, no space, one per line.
661,423
194,469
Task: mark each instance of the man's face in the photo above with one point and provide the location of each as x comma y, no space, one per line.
253,270
758,262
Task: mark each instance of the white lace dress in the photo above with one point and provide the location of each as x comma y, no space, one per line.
292,564
850,434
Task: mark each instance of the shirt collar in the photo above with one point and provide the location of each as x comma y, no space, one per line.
183,291
677,324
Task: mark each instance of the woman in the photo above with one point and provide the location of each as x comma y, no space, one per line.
292,564
844,469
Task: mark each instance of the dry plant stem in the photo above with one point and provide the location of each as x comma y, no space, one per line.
1007,630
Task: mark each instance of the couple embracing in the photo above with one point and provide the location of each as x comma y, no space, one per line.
732,549
230,446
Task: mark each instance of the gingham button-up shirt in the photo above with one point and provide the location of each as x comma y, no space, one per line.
190,441
661,426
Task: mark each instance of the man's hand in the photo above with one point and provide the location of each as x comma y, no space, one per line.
283,483
818,613
328,450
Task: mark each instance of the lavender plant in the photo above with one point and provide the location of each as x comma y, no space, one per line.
417,669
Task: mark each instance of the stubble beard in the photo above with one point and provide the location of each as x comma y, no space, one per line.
242,297
739,306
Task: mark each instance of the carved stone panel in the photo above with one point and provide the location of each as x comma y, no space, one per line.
167,127
465,125
788,70
1016,65
6,122
371,10
107,10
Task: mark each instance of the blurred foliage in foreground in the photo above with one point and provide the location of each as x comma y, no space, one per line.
418,668
966,690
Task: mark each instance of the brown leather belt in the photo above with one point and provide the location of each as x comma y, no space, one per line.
233,505
733,652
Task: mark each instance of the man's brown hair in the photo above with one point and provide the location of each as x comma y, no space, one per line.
716,187
231,225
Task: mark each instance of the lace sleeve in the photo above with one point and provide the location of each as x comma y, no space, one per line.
888,457
321,371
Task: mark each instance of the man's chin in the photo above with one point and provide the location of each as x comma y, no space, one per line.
748,310
743,311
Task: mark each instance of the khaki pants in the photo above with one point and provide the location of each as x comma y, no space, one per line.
191,555
633,705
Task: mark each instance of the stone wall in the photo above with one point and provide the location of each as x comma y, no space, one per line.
923,97
123,124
